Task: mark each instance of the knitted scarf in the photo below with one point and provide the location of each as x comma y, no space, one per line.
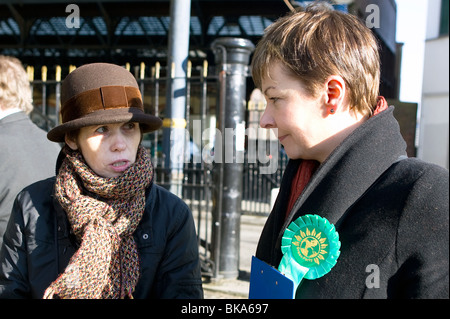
106,265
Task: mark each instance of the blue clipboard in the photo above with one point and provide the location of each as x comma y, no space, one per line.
267,282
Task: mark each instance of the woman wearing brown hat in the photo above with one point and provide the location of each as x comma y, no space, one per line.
101,228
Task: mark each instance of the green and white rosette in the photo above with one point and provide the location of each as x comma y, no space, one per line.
310,247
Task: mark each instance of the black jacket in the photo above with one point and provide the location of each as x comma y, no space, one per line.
391,215
38,245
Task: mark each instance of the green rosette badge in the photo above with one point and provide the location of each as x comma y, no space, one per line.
310,247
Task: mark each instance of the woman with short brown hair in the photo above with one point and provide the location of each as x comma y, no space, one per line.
354,217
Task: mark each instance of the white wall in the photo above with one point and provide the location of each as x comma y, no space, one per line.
434,120
433,17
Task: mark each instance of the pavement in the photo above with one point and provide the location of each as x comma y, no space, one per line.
251,227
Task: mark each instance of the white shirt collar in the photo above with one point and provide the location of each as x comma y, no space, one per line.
7,112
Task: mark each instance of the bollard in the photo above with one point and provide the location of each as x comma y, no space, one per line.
232,57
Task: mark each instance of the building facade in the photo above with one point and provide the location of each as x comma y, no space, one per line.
433,139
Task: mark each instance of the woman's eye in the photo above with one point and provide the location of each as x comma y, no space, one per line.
101,129
130,126
273,99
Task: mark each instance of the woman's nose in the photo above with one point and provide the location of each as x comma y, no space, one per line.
266,120
118,143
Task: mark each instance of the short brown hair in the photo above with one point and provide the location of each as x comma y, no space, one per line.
317,43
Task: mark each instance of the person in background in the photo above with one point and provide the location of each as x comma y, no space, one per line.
319,70
26,154
100,229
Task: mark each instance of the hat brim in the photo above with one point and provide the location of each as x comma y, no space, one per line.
148,122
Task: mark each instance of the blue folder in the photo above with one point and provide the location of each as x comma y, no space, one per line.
267,282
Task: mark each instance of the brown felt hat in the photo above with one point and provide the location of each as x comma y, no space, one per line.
101,93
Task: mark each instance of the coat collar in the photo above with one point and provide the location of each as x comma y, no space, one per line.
17,115
352,167
345,175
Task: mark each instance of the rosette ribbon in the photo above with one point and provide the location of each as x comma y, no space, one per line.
310,247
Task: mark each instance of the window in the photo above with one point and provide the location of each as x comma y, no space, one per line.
443,28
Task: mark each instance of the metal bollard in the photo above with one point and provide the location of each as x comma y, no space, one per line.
232,58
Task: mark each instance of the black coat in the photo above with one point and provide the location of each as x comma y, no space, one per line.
38,245
391,215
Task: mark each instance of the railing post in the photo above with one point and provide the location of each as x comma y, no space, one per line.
232,57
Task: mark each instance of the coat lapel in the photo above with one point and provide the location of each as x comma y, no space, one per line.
345,176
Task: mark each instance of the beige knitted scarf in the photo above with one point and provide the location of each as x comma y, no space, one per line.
103,214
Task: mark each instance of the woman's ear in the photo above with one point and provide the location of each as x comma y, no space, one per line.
335,86
71,142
